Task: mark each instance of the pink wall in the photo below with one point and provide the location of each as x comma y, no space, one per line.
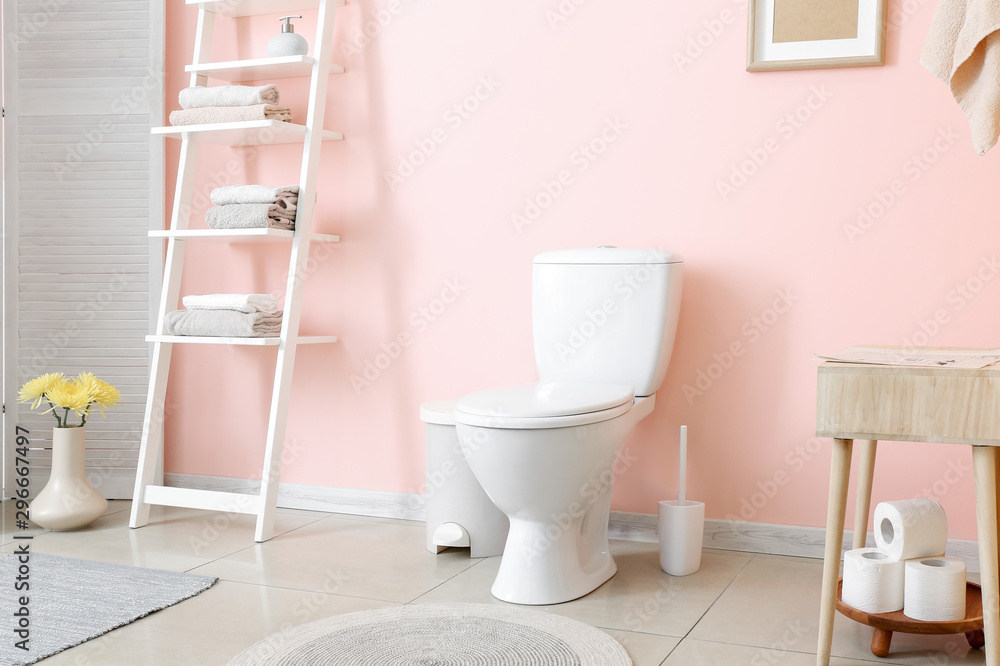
680,130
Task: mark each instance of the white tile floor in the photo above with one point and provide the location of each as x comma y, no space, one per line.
741,608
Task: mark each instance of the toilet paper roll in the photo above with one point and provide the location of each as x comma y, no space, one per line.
911,528
873,582
935,589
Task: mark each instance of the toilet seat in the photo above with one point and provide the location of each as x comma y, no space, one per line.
544,405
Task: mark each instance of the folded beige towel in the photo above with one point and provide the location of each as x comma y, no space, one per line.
963,50
250,216
247,303
197,97
223,323
255,194
229,114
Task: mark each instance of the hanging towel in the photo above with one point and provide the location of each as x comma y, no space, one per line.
223,323
963,50
198,97
246,303
229,114
250,216
255,194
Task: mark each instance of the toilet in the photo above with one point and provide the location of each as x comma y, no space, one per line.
604,321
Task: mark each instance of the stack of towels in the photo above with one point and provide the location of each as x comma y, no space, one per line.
253,207
227,315
229,104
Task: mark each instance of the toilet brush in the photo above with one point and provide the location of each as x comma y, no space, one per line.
682,472
681,525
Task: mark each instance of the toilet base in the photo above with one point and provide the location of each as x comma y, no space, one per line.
542,564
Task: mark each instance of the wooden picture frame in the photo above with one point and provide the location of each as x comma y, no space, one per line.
813,34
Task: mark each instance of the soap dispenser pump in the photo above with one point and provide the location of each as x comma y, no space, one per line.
287,43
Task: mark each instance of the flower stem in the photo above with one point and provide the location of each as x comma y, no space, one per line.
59,423
66,417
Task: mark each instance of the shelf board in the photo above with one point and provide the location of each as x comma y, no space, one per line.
246,133
198,340
249,342
317,339
239,235
259,69
236,8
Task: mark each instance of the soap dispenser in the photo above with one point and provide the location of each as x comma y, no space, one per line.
287,43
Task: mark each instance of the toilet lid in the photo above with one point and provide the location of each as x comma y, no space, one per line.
549,402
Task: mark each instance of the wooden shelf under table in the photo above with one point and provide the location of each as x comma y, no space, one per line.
887,623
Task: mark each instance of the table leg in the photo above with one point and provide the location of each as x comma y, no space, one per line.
881,640
984,463
866,474
840,475
997,468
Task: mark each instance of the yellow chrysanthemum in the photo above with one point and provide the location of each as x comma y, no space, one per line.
78,394
98,391
34,391
69,395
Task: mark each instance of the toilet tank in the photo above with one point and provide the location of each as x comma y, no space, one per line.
606,315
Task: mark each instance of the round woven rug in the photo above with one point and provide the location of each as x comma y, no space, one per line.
439,635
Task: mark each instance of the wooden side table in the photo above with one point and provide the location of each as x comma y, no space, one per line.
908,404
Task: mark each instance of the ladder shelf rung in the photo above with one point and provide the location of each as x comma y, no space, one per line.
237,8
316,339
247,342
239,235
244,133
193,498
259,69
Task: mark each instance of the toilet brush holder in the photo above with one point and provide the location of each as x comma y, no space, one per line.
681,530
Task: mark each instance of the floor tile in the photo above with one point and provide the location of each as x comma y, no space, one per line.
369,559
115,506
644,649
211,628
639,598
703,653
739,608
175,539
379,519
9,526
774,603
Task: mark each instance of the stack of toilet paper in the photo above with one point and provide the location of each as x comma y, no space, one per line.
908,571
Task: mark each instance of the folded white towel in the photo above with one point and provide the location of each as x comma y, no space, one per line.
255,194
250,216
223,323
197,97
230,114
963,50
248,303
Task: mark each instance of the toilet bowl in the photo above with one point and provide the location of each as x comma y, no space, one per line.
604,322
551,475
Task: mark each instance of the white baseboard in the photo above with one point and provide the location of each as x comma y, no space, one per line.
766,538
719,534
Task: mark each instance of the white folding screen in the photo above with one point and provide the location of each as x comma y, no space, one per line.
83,185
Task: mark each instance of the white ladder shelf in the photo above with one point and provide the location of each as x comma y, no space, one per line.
310,135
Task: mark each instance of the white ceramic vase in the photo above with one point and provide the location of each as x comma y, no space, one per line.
68,501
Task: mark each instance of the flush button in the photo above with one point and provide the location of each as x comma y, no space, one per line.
613,247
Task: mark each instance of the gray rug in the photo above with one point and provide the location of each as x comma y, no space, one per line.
71,601
439,635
